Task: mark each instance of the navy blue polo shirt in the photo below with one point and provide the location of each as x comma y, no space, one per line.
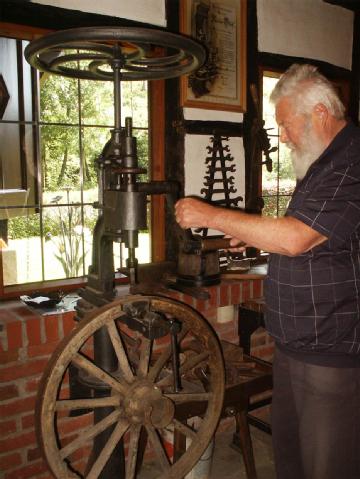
313,299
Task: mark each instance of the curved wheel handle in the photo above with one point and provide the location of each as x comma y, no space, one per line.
137,50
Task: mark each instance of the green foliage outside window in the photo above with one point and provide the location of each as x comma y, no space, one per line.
76,118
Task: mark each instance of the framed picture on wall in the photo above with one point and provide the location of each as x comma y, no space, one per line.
220,25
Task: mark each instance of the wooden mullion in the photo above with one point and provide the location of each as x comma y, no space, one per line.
157,154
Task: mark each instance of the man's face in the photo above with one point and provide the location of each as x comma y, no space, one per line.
298,133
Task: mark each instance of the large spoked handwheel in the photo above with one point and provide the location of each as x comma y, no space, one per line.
141,53
152,392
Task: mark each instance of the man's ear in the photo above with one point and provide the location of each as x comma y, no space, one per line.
320,111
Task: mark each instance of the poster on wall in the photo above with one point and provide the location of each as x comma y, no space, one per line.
220,25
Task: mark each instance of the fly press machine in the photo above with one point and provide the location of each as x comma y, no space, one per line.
137,360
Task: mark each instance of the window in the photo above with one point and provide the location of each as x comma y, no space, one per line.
52,130
278,185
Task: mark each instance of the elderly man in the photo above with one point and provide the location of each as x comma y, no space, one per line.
313,283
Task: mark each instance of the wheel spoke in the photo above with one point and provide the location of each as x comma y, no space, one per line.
165,356
179,398
90,433
66,404
106,452
85,364
133,451
188,364
120,352
158,447
145,352
184,429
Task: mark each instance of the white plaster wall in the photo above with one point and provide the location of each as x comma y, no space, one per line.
195,166
212,115
306,28
147,11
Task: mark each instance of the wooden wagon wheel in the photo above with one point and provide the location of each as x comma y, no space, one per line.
145,403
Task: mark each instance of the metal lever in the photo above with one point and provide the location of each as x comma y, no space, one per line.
198,244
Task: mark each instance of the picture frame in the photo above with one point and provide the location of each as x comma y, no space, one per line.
220,25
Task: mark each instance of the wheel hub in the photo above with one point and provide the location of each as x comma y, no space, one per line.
146,404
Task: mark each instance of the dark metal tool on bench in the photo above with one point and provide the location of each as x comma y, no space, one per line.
198,264
130,354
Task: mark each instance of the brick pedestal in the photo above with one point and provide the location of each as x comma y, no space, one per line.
27,339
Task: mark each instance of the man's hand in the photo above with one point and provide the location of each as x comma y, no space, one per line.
194,213
237,246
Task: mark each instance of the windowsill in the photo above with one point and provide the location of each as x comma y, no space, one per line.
11,292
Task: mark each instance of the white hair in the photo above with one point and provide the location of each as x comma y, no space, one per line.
306,87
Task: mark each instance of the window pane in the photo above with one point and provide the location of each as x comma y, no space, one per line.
283,204
63,248
28,110
268,108
270,206
60,163
97,104
277,185
93,142
10,76
90,217
142,141
10,171
24,240
58,99
286,171
270,179
135,103
51,159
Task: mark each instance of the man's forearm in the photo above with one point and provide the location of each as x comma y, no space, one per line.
287,235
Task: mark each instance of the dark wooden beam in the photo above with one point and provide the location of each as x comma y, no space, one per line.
24,12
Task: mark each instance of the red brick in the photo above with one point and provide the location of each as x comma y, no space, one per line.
211,315
23,370
17,442
201,305
245,291
22,311
213,300
32,385
224,295
33,454
68,321
190,300
7,427
7,316
9,356
33,331
8,392
257,288
75,424
14,335
28,421
51,328
32,470
264,352
18,406
235,293
10,461
41,350
46,475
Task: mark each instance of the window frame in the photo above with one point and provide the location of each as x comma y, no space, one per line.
156,172
340,79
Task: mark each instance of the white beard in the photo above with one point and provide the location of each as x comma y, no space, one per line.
305,155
